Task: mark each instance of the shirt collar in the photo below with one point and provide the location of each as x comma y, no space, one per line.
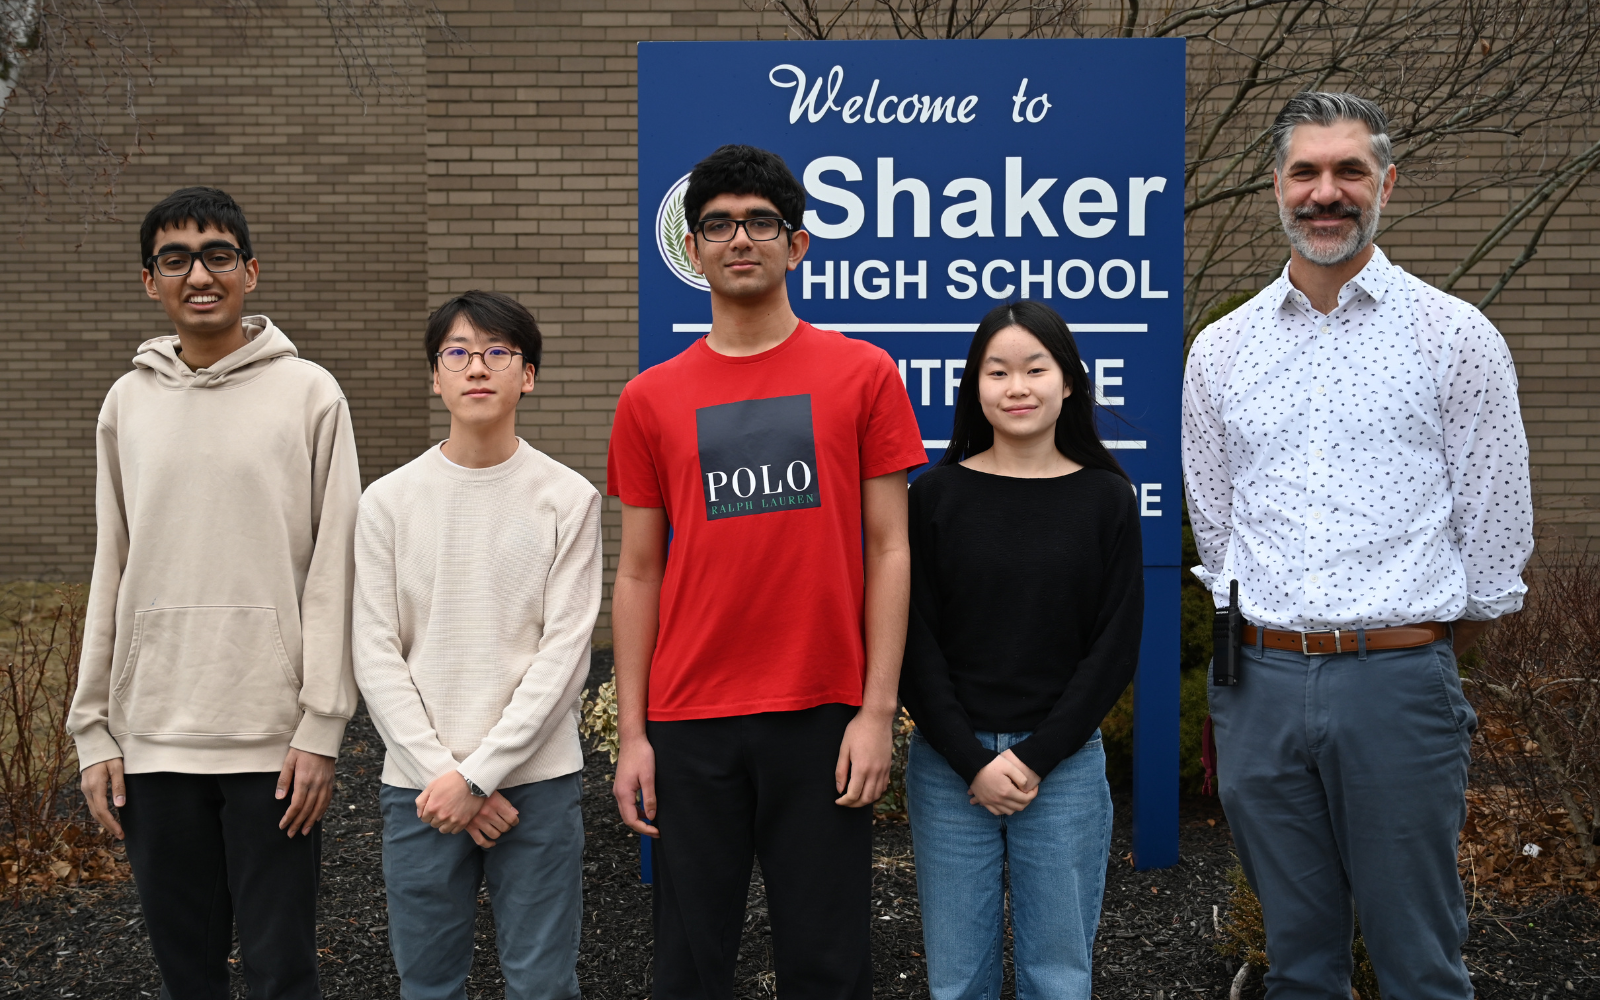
1375,279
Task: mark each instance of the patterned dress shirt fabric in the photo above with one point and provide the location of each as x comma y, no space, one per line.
1364,468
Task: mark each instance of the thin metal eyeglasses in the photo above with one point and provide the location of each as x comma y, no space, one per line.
760,229
178,263
496,359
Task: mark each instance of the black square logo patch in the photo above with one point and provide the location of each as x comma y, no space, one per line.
757,456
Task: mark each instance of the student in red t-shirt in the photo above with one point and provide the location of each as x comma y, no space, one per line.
757,662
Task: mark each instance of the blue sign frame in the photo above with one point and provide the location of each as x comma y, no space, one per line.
942,178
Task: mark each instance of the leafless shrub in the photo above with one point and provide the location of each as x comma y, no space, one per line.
1537,690
820,20
68,68
43,844
71,72
368,33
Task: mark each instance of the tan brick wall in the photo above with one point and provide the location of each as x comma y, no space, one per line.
532,191
335,195
1550,315
517,175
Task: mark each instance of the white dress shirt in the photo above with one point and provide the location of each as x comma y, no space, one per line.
1364,468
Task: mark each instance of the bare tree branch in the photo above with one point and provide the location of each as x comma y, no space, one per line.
1483,95
70,67
1532,246
71,73
844,19
366,33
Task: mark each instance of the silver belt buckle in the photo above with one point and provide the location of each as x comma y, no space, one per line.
1338,642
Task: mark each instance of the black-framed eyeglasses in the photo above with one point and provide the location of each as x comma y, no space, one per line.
761,229
178,263
496,359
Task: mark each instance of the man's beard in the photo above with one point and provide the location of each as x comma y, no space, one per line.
1346,249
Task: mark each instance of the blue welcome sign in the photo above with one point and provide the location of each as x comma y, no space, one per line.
943,178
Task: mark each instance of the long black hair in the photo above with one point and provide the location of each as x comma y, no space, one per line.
1076,435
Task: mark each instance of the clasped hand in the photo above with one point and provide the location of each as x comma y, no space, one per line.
449,806
1005,785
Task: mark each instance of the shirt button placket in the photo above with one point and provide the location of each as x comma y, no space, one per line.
1317,486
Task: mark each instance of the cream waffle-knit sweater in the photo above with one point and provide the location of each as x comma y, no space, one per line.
475,601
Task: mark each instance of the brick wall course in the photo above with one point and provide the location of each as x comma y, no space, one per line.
514,170
334,192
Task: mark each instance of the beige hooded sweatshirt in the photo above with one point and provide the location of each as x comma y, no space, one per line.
218,629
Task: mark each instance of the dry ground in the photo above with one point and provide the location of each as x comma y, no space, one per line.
1157,937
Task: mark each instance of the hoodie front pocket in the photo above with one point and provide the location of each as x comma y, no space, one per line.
208,671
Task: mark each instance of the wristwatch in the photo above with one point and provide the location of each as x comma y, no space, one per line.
472,786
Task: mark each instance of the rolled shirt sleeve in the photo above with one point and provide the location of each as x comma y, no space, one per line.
1486,450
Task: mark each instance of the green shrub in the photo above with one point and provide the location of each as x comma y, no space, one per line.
1194,655
1117,731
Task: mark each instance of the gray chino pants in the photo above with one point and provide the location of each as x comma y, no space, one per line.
534,874
1343,777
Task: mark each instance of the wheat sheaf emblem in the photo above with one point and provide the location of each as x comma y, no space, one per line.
671,225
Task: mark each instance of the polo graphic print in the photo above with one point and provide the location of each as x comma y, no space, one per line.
758,462
758,456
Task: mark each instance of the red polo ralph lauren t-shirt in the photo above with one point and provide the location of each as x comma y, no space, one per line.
758,462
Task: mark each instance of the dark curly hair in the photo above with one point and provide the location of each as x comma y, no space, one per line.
745,170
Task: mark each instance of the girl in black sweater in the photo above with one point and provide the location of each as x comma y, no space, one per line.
1027,600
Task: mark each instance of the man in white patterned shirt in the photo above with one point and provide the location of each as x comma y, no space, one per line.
1354,457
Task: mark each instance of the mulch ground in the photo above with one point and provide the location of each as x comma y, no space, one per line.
1157,936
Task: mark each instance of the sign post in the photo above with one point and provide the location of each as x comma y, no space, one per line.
943,178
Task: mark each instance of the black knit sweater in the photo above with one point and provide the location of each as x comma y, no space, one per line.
1027,600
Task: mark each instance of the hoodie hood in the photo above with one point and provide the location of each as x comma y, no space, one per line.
265,342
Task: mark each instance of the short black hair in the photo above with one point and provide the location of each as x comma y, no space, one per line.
206,207
745,170
488,312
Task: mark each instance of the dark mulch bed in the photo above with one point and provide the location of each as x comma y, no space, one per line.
1157,936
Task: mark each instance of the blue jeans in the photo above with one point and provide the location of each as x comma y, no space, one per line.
535,878
1056,851
1344,780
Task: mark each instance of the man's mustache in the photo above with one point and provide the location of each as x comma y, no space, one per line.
1337,210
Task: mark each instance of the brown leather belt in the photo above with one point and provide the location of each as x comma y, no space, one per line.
1331,641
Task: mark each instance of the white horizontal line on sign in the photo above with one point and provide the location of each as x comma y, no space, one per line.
931,327
1113,445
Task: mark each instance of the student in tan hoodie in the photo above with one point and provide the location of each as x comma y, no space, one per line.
216,678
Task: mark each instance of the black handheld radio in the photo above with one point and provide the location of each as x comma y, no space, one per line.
1227,634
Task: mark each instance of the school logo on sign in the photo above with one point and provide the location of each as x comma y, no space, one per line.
671,227
757,456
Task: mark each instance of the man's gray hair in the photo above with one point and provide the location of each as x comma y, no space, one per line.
1316,107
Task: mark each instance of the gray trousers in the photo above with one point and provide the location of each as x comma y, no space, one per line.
534,874
1343,777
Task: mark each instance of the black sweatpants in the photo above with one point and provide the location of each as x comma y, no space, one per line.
728,790
206,852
